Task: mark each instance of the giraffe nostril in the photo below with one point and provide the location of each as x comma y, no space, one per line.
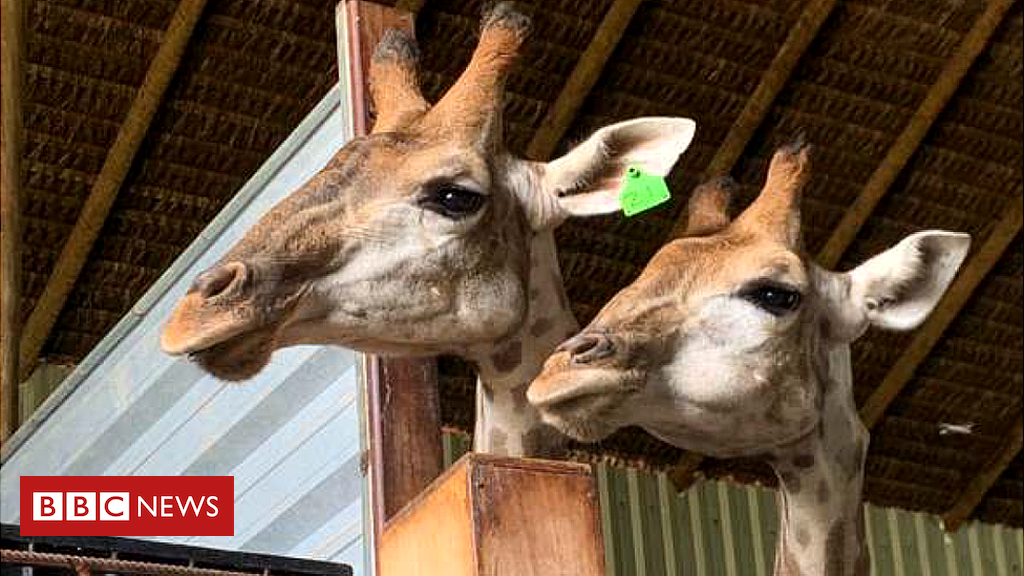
218,280
585,348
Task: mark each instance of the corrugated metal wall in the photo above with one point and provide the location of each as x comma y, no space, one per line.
727,529
290,437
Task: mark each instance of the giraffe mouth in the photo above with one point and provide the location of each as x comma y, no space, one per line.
236,359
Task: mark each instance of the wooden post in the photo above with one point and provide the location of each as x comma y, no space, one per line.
10,206
492,516
402,396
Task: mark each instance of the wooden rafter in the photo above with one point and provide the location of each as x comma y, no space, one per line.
800,37
985,479
582,79
108,183
11,55
959,292
909,140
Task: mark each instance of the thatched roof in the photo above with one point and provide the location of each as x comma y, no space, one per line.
252,69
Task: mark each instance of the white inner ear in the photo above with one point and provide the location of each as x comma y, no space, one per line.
899,288
586,181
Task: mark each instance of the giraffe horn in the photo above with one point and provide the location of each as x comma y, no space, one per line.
776,211
474,101
708,209
393,84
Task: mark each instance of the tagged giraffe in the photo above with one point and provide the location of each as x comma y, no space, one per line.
732,342
425,237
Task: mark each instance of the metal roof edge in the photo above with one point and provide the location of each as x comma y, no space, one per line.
277,159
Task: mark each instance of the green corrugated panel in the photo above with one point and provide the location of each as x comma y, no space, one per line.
651,516
667,504
607,529
1013,543
908,545
962,553
618,494
739,521
936,547
712,529
688,555
878,525
986,549
769,523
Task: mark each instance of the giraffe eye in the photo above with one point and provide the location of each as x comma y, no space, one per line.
772,298
453,201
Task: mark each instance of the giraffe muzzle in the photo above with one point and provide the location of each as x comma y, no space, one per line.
585,348
207,315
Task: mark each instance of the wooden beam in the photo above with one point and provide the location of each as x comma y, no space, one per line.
582,79
913,133
959,292
983,481
411,6
108,183
800,37
403,405
11,65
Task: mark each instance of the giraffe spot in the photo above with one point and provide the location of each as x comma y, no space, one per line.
803,536
824,492
541,327
509,357
803,461
498,442
834,545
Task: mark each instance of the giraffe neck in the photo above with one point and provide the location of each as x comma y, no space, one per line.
506,423
821,516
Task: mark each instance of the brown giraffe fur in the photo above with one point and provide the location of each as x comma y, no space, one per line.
424,237
733,343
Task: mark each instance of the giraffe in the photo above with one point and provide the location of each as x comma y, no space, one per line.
732,342
425,237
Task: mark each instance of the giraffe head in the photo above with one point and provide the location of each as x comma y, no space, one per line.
414,240
721,345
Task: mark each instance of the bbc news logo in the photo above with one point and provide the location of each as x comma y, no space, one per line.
127,505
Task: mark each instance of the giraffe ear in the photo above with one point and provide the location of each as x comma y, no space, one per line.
899,288
586,181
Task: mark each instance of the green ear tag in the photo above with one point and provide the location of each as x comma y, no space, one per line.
642,191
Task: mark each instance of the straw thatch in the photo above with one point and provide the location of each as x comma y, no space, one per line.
252,69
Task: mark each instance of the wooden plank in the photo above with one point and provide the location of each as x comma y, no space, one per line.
12,62
108,183
956,297
983,481
582,79
913,133
406,451
799,39
490,516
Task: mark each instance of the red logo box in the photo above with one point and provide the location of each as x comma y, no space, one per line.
127,506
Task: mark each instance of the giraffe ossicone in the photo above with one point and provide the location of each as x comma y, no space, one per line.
732,342
424,237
